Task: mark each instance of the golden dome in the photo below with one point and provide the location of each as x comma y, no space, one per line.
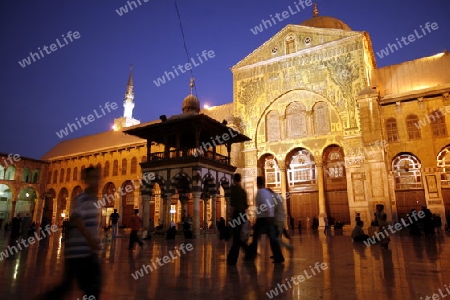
326,22
191,104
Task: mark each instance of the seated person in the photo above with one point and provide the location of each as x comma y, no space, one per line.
358,234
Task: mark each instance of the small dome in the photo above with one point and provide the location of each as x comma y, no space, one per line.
191,105
326,22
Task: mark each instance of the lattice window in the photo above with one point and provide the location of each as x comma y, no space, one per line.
302,168
335,164
413,127
273,126
296,120
391,130
321,118
26,175
406,169
272,172
437,122
124,166
443,161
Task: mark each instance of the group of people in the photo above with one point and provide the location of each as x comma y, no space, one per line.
270,220
20,226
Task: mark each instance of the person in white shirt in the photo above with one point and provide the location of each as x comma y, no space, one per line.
265,222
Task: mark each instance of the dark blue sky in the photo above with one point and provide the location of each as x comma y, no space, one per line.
40,99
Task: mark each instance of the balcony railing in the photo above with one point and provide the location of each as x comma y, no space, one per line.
188,155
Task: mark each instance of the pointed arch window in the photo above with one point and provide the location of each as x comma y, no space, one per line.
61,176
406,169
35,176
115,171
106,169
26,175
10,173
68,174
82,173
391,130
2,172
124,166
296,120
75,174
321,118
413,130
273,126
55,176
133,169
437,122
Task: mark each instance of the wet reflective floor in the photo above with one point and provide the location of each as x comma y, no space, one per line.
320,267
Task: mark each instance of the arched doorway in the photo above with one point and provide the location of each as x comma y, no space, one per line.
127,202
303,203
109,196
336,198
409,190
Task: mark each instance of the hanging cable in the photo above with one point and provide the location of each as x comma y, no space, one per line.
184,44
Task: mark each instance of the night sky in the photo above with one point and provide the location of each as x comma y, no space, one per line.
41,98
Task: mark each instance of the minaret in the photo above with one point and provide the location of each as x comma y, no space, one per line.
128,106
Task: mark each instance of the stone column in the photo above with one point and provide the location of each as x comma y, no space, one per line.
320,185
168,203
205,214
213,210
196,227
146,211
283,192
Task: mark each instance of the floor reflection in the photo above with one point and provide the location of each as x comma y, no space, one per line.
413,267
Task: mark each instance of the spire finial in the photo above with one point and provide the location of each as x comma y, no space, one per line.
192,84
131,67
130,78
315,10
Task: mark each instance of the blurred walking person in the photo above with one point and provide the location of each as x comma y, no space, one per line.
82,244
238,202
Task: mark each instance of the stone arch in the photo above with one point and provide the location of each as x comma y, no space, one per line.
309,99
73,196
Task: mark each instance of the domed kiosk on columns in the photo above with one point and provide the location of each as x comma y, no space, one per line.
195,161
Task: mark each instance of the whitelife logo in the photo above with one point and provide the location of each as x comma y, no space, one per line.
411,38
33,56
187,66
90,118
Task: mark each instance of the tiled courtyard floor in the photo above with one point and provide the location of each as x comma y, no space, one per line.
410,269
